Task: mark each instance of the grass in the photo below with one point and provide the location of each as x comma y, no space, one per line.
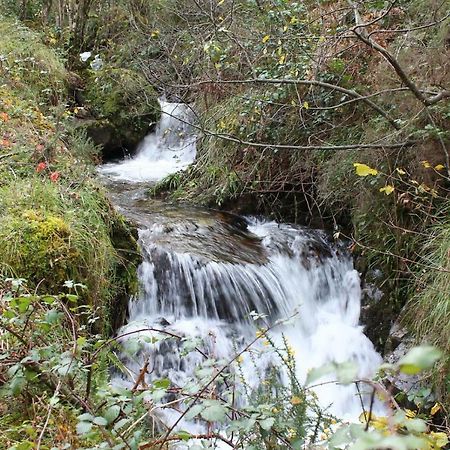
29,65
61,229
427,313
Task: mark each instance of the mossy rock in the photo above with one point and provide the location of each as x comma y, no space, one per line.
124,106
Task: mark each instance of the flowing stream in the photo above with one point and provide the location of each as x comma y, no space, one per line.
205,274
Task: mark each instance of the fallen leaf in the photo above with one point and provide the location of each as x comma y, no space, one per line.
362,170
387,189
54,176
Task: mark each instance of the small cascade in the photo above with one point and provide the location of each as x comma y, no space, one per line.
169,149
297,273
205,274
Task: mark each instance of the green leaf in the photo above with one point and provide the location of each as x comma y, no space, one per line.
214,412
194,412
23,303
112,413
158,394
162,384
86,417
418,359
52,316
25,445
84,427
121,423
318,372
267,424
416,425
99,420
346,372
17,384
184,435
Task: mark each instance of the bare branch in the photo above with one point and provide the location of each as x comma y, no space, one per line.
350,92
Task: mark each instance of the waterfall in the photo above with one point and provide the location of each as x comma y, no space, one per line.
169,149
205,274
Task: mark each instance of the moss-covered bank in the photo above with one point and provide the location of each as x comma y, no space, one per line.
56,223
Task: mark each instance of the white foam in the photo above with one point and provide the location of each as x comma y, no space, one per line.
167,150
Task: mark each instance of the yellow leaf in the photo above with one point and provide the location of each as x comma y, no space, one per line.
426,164
439,167
387,189
435,409
306,105
410,414
362,170
282,59
260,333
440,440
265,38
400,171
239,359
294,20
296,400
221,1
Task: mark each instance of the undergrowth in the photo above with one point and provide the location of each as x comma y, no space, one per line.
56,223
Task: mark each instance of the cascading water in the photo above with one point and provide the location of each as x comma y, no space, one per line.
169,149
204,274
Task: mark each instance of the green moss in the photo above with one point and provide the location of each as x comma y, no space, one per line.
123,102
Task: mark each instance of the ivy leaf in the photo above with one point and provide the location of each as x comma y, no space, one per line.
418,359
389,189
363,170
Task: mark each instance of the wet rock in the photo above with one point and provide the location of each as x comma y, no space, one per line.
377,310
411,390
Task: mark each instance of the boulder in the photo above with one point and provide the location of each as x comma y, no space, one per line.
123,107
